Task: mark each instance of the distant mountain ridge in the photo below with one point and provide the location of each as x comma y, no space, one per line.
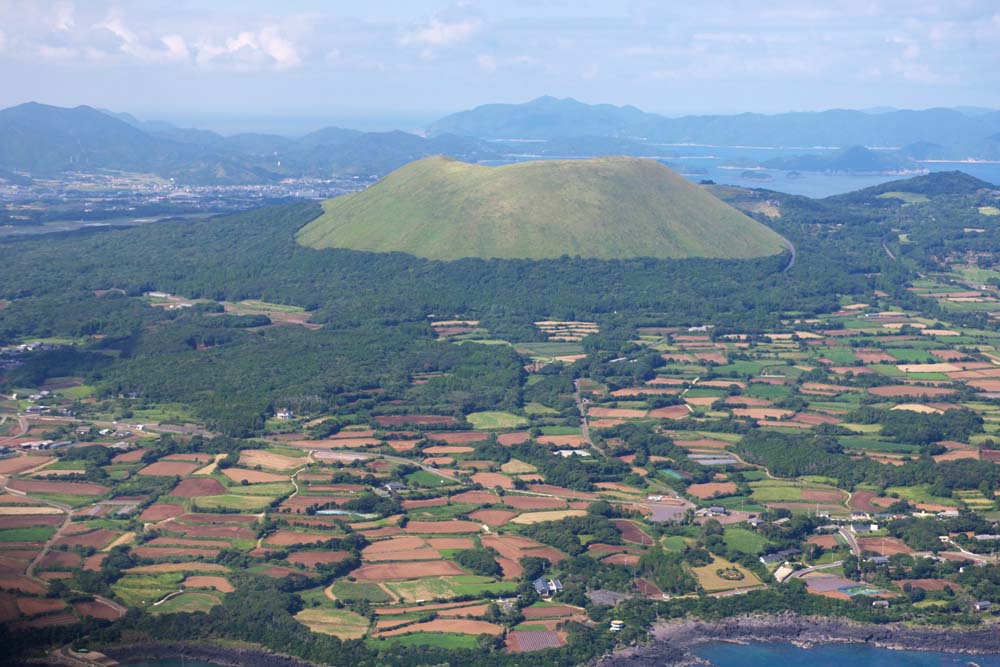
44,140
551,118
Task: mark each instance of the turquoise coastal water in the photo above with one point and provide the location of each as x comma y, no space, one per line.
786,655
774,655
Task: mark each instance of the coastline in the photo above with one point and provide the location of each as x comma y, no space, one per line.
225,656
673,644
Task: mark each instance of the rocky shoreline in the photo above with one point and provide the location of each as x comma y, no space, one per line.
226,656
673,644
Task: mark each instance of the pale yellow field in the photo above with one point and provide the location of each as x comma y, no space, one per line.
539,517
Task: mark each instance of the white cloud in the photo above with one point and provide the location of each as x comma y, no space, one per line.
62,16
441,33
265,47
176,47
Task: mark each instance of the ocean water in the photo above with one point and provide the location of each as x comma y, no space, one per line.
837,655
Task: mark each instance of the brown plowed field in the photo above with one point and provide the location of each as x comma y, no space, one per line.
18,582
196,457
220,584
443,527
465,627
35,606
493,517
896,390
8,608
97,610
670,412
631,533
825,541
616,413
416,570
179,567
158,512
629,560
459,437
448,449
71,488
823,495
403,543
26,520
416,420
409,554
559,611
430,502
253,476
212,531
711,489
157,553
886,546
493,479
129,457
208,517
477,498
284,538
59,560
562,440
169,469
533,502
184,542
96,538
451,543
515,438
762,413
266,459
314,558
196,488
19,464
512,570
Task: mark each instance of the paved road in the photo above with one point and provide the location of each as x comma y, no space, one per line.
815,568
851,541
584,426
791,249
888,252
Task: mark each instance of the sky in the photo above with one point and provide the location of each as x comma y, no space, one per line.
402,63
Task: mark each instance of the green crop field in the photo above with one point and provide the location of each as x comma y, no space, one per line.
186,603
349,591
485,421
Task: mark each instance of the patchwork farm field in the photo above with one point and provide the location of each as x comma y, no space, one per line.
466,500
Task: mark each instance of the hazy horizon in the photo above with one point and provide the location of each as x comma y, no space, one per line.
419,60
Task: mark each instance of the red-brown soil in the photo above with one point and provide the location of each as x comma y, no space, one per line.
314,558
448,527
97,610
631,533
196,488
159,512
416,570
169,469
284,538
96,538
712,489
416,420
170,552
35,606
533,502
220,584
70,488
459,437
493,517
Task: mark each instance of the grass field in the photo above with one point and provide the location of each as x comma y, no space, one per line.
711,581
444,588
534,210
33,534
744,540
427,479
272,489
494,419
186,603
234,502
145,589
348,591
437,639
337,622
